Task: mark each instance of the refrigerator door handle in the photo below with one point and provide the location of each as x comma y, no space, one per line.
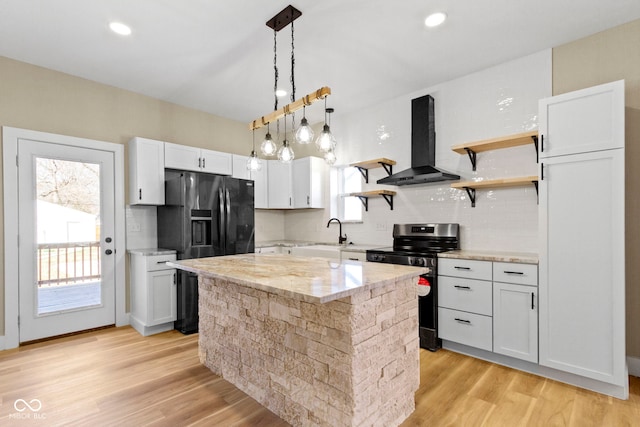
221,211
227,212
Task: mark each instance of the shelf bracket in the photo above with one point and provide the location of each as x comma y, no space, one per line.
365,202
387,167
364,172
472,195
389,199
535,184
472,157
535,143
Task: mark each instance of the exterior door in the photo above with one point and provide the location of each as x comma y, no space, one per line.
66,232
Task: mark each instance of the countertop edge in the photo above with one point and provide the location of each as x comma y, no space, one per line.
495,256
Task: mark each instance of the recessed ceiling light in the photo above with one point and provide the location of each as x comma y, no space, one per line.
280,93
120,28
435,19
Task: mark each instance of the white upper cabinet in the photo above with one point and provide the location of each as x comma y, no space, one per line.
279,185
240,170
308,175
260,186
146,171
183,157
587,120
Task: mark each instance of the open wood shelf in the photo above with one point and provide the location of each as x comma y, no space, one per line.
516,140
365,165
471,186
364,197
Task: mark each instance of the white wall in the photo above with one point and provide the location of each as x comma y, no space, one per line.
494,102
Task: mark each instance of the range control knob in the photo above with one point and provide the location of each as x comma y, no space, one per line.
417,261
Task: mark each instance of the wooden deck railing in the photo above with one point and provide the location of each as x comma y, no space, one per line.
66,263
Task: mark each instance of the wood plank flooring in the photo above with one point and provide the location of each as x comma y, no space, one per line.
115,377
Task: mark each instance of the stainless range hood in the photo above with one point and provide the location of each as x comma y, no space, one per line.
423,148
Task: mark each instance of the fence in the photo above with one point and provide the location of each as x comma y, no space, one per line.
68,263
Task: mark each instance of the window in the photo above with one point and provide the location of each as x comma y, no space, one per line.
345,180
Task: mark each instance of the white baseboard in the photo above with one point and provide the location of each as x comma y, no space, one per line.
634,366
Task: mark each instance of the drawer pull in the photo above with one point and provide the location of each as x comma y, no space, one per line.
461,268
466,322
162,262
466,288
353,259
520,273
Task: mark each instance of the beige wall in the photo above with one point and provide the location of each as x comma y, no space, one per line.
40,99
613,55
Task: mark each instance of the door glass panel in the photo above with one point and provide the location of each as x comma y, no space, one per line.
68,235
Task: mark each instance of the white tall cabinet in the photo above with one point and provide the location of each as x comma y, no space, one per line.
581,220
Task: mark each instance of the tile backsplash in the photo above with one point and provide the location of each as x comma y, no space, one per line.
498,101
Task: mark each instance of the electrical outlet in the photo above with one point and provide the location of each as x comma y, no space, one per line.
381,226
134,227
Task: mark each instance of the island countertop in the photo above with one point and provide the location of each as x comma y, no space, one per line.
310,279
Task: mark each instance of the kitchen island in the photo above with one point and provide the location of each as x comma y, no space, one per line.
316,341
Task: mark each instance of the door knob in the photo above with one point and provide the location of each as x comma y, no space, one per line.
108,252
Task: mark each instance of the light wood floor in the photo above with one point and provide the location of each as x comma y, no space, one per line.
117,377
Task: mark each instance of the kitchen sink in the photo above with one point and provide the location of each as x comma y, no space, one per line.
325,251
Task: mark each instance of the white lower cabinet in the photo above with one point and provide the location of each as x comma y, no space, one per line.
515,321
153,293
353,255
489,305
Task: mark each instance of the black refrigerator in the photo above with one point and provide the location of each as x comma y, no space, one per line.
204,215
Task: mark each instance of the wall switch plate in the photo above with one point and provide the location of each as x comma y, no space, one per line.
381,226
134,227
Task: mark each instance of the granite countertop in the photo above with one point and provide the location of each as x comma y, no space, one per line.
295,243
151,251
311,279
520,257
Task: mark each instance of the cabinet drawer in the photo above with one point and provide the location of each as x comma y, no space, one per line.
470,295
520,274
157,262
465,328
468,268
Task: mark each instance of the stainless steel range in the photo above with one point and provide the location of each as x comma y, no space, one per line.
419,245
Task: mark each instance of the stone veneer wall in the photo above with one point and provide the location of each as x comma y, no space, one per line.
349,362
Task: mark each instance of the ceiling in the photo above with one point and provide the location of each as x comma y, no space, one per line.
217,56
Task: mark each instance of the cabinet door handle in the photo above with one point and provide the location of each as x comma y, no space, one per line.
541,171
514,272
204,164
466,288
308,201
140,194
462,268
542,143
466,322
532,299
174,278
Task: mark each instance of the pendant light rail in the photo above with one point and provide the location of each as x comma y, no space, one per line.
309,99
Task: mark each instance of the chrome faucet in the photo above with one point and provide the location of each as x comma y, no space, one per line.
341,239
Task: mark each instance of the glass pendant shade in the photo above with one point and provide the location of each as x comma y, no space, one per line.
254,163
330,157
304,134
285,153
326,142
268,147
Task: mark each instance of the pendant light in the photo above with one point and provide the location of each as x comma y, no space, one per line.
254,163
326,141
268,147
285,153
304,134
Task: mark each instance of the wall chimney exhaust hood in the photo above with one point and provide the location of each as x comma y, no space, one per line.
423,148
